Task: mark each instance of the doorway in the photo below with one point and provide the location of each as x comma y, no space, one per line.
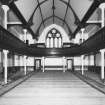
70,64
37,64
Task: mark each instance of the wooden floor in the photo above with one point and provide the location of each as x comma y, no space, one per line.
53,88
94,76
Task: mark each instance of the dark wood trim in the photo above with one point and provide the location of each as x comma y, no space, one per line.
55,66
90,11
37,68
20,16
10,42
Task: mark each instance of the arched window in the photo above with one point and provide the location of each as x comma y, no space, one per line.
53,39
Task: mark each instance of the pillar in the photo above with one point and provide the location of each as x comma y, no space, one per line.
82,34
102,7
25,60
25,65
82,56
5,66
82,64
43,64
1,59
25,35
102,64
64,64
5,22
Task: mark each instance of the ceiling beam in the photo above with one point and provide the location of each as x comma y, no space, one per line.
30,21
98,24
66,11
41,12
16,11
77,21
70,32
90,11
53,8
10,42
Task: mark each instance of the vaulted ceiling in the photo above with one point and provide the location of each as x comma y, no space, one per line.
35,15
41,13
38,14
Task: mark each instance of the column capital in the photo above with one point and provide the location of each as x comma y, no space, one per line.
25,56
102,6
25,34
5,51
43,64
64,57
102,50
82,34
25,30
82,56
43,57
5,8
82,29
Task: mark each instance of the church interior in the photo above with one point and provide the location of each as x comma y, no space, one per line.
52,52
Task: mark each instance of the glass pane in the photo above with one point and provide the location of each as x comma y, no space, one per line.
51,42
54,31
47,43
49,35
60,43
56,43
58,35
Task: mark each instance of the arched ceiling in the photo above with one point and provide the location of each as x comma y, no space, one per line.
61,12
38,14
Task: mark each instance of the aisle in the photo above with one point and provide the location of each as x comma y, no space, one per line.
53,88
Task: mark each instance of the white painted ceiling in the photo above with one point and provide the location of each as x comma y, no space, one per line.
40,13
44,11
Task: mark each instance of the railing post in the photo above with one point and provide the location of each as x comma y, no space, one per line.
102,7
102,64
64,64
43,64
5,66
5,22
82,56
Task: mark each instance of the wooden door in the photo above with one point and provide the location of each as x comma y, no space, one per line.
37,64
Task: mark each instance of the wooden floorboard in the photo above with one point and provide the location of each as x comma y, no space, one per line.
93,80
53,88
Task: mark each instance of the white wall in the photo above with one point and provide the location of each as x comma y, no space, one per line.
30,61
42,37
98,59
91,60
30,39
65,38
77,61
53,61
